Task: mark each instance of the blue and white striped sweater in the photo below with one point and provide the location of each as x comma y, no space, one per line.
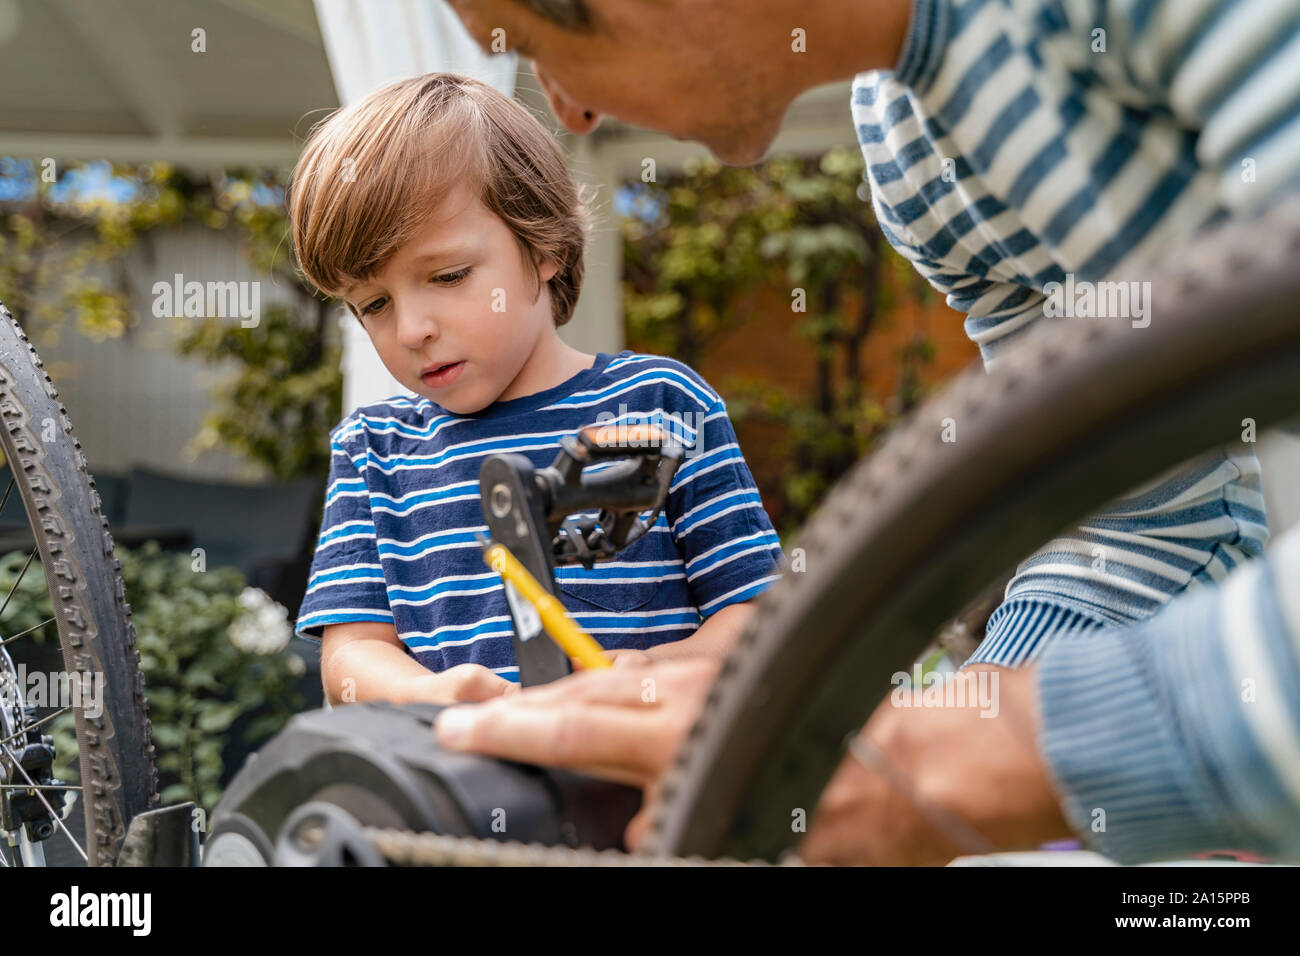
1182,734
1003,154
398,536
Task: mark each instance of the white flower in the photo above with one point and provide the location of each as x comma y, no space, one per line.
262,627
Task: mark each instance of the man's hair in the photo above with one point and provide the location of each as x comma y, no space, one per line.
372,173
570,14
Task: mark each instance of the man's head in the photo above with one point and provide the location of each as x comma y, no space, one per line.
444,214
719,72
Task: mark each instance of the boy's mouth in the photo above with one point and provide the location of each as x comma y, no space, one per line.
439,375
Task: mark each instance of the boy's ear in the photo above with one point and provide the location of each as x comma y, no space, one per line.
546,269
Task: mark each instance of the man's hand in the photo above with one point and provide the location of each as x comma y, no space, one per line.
982,780
620,723
626,723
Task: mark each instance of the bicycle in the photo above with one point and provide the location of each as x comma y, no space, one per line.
1081,412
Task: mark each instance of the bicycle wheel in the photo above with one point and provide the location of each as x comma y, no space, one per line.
70,535
1082,412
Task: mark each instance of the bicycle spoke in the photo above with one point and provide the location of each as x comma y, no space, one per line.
7,640
6,497
32,726
58,822
19,579
31,785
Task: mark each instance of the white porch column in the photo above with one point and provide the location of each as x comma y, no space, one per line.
597,323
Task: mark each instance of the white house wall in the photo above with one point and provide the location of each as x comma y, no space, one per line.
133,400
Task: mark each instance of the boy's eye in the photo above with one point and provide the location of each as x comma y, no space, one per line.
451,278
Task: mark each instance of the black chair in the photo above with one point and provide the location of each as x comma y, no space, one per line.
250,527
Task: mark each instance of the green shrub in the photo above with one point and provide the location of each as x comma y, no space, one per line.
212,651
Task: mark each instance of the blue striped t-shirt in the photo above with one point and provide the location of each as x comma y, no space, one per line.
398,536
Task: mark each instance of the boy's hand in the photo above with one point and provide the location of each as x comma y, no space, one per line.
627,657
464,683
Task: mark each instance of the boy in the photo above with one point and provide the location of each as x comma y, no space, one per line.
443,214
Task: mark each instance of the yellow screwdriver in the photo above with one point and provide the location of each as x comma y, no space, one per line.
573,640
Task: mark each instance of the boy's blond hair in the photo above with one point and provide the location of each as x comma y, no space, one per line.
371,174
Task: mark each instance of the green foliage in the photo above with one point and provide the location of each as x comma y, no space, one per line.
694,245
699,245
817,448
287,390
197,681
36,254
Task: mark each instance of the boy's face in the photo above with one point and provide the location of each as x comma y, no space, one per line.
458,292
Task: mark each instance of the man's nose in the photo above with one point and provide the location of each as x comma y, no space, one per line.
575,118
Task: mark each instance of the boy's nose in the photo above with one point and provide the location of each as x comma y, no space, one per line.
576,119
415,327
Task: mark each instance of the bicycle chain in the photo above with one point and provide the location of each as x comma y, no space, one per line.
408,848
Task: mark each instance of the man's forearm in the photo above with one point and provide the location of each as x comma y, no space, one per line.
1182,734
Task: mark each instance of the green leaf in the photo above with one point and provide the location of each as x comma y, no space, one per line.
214,718
176,793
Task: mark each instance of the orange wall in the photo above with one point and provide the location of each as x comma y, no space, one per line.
765,346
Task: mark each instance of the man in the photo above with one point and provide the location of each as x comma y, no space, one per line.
1015,144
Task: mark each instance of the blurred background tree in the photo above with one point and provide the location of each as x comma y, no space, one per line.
700,249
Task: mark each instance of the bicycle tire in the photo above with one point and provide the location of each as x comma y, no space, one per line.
93,619
1079,413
